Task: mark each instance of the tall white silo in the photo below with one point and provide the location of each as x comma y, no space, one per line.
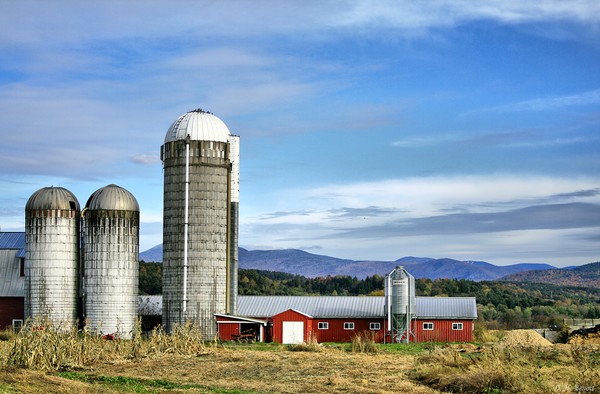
52,257
110,258
400,304
201,183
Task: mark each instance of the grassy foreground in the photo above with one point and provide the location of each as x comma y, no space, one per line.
46,362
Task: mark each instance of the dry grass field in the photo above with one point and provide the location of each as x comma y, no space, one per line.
46,362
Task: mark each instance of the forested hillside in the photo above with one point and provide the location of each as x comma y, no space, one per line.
500,304
587,275
150,278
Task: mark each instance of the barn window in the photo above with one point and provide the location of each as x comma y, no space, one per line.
21,267
323,325
427,326
348,325
17,324
375,326
457,326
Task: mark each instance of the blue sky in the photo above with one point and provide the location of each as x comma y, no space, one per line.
369,130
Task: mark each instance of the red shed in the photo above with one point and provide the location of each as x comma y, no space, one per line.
232,328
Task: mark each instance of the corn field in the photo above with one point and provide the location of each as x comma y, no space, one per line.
39,346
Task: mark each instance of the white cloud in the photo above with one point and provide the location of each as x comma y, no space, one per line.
431,195
431,216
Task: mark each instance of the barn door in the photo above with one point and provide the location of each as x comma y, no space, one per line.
293,332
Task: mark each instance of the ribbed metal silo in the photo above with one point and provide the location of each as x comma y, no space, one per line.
110,260
52,257
201,178
400,303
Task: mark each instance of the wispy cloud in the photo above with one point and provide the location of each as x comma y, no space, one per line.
552,103
73,22
145,159
415,16
543,217
361,213
418,207
522,138
423,141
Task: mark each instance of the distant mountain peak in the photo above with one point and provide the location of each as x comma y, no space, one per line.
300,262
412,259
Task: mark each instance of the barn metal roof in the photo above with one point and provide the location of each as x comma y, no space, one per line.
352,306
446,307
12,240
150,305
240,318
200,126
12,246
316,306
335,306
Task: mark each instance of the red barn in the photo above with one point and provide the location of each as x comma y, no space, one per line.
339,319
12,279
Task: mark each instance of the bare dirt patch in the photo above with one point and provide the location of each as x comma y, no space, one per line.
524,338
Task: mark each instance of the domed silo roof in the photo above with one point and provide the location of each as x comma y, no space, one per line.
52,198
200,126
114,198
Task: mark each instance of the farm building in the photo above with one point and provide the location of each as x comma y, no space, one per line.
296,319
12,279
287,319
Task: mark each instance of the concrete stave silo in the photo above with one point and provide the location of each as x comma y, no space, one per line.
110,261
200,222
52,218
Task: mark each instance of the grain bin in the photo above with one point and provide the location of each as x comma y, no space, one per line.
52,257
201,180
400,304
110,259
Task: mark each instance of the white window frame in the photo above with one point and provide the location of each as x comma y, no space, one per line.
374,326
17,324
428,326
457,326
348,325
323,325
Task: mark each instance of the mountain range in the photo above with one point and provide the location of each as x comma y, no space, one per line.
299,262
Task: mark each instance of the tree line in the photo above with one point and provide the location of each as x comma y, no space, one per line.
499,304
